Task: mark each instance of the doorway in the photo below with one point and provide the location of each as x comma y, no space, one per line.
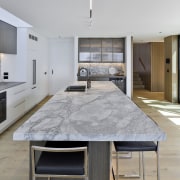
148,63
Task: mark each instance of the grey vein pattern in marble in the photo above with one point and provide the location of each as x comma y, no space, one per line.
102,113
6,85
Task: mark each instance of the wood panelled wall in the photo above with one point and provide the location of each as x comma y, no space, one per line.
157,66
171,69
149,62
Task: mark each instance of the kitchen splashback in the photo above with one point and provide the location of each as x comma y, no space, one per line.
102,68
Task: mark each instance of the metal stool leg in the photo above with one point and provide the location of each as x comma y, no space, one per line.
139,164
158,173
117,166
143,166
157,154
128,175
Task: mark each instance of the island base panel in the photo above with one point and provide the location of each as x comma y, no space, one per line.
99,160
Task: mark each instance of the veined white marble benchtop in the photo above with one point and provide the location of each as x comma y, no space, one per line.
101,113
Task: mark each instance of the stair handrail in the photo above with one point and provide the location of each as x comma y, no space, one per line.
142,64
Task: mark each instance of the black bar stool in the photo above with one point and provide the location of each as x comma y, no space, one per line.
67,161
136,146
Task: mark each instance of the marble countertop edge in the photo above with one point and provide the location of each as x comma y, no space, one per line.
43,137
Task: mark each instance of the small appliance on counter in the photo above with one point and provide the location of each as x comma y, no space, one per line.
83,72
112,70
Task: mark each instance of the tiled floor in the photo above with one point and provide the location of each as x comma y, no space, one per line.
14,160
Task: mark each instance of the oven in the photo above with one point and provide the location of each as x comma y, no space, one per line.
120,82
2,106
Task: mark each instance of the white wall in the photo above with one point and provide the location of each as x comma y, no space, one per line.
43,67
61,62
75,57
129,67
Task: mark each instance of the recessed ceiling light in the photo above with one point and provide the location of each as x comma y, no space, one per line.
90,4
90,8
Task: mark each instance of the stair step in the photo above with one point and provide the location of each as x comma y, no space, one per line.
138,86
137,81
135,75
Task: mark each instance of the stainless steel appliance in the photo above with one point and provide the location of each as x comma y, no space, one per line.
120,82
83,72
2,106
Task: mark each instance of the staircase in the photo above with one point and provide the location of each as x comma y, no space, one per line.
137,82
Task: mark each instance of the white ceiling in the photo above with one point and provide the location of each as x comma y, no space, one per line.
143,19
11,19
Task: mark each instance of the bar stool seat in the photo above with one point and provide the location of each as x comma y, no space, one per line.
136,146
61,163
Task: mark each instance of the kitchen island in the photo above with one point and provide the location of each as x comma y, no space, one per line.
100,115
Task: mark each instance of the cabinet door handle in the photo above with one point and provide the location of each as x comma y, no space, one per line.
18,92
19,104
52,71
33,87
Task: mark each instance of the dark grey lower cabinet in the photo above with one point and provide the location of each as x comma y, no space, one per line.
120,83
99,160
8,38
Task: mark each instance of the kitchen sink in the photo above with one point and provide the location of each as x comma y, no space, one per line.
76,88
